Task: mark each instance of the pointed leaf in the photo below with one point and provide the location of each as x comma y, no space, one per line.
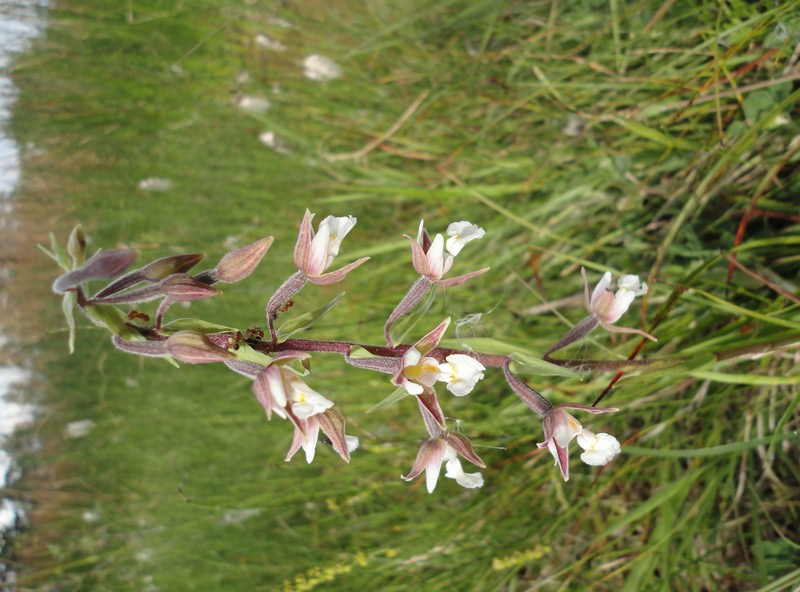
198,325
68,306
59,254
307,320
397,395
526,364
111,318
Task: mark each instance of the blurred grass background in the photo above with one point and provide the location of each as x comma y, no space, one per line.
638,137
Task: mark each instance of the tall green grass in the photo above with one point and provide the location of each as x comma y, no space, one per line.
632,137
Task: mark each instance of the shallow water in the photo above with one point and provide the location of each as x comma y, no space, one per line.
21,21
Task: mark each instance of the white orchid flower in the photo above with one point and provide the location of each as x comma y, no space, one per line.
461,373
460,234
445,449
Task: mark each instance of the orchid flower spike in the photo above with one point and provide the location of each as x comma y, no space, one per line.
446,449
430,259
560,428
314,253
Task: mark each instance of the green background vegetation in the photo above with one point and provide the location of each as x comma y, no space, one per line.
623,136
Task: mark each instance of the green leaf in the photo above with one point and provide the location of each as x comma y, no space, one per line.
527,364
751,379
111,318
487,345
655,135
68,306
398,394
721,450
306,320
403,327
198,325
56,253
635,515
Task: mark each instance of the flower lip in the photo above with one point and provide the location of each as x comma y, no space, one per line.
460,234
560,428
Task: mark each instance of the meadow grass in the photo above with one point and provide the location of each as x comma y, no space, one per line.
639,137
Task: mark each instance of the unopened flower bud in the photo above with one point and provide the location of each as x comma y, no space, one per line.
179,287
195,348
240,263
76,245
103,265
160,268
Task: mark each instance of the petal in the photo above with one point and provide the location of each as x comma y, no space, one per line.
460,234
458,280
462,445
631,282
333,423
302,249
418,258
435,257
429,459
310,442
600,448
338,227
333,277
318,257
622,302
601,287
432,339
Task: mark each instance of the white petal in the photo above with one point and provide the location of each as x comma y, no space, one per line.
468,480
419,231
461,372
352,443
310,443
600,448
338,227
622,302
460,234
432,476
601,287
565,427
412,388
435,256
318,256
307,402
631,282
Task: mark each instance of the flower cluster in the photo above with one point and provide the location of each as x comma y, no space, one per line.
278,365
